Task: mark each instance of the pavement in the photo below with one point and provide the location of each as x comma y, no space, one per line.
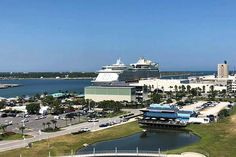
193,106
208,110
214,110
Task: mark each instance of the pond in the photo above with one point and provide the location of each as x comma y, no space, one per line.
151,140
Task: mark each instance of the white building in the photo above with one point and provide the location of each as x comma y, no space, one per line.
175,84
116,93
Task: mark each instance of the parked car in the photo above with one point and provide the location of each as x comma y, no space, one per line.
27,116
104,125
3,115
56,117
8,123
24,120
37,118
93,120
42,117
84,129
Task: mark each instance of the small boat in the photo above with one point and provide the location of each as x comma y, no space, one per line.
85,145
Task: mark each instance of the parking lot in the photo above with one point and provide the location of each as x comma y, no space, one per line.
32,124
214,110
207,108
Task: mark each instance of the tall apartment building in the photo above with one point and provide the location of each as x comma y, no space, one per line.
223,70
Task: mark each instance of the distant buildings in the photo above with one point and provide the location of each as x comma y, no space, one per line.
119,82
223,81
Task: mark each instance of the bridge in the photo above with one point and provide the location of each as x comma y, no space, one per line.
128,153
120,153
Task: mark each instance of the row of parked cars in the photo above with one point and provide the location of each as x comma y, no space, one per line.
109,123
207,104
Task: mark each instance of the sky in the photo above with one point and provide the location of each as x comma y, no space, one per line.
83,35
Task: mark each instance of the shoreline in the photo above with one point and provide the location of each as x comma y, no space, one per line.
76,78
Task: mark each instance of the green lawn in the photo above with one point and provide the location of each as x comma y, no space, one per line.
217,139
115,114
11,136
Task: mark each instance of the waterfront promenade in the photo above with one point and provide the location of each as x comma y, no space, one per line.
135,154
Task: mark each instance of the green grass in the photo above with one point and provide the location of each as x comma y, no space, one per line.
12,136
217,139
115,114
64,144
51,129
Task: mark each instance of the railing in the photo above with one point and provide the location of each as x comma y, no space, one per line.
143,121
117,152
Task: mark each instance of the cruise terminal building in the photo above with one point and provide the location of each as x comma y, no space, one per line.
100,93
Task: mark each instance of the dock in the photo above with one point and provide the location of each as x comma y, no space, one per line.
167,124
4,86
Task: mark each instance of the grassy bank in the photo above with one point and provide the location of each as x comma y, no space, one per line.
217,139
12,136
64,144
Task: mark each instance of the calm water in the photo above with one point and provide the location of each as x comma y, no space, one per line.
32,86
155,139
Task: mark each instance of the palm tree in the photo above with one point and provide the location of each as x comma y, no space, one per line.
180,88
22,128
55,123
162,89
188,88
176,88
3,128
203,89
44,124
70,117
48,124
183,88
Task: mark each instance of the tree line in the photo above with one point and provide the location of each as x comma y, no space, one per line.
47,74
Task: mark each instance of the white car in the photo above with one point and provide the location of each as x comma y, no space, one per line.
56,117
27,116
24,120
37,118
93,120
42,117
84,129
8,123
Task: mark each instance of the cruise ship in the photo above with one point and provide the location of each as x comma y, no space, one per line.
120,72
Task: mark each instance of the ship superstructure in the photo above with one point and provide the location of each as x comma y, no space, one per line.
120,72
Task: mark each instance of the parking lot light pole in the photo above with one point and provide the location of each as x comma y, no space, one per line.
71,152
94,150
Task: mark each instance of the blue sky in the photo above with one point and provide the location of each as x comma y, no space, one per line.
83,35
